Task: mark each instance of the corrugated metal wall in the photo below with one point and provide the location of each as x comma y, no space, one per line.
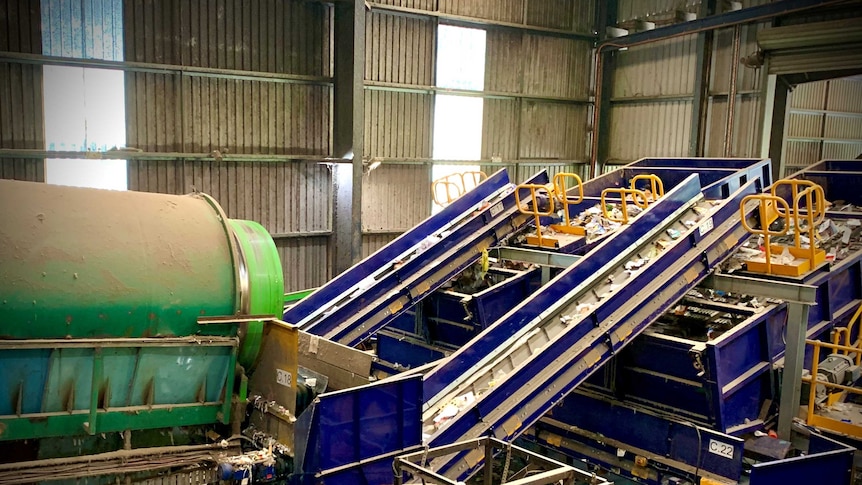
229,114
21,123
537,108
651,101
398,123
824,120
653,92
533,66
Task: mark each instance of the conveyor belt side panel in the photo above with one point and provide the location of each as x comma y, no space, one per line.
321,300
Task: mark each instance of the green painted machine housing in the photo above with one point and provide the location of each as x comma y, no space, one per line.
100,295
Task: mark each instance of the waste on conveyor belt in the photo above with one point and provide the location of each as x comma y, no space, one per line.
839,238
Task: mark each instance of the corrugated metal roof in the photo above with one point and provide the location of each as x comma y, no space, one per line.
842,150
504,65
804,125
745,141
808,96
372,242
202,114
21,24
21,120
844,127
305,261
284,197
500,129
748,79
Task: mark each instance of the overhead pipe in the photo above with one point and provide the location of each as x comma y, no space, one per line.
728,19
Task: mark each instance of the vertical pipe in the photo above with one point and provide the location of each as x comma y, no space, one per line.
731,95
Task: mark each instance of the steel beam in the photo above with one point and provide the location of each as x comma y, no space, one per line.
727,19
779,290
473,22
36,154
542,258
156,68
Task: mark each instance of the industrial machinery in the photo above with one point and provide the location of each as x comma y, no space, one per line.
104,298
595,322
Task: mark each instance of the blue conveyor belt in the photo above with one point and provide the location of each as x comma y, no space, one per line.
531,358
356,304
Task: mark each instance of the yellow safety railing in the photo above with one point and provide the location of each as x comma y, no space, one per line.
532,208
656,185
807,204
767,209
815,210
845,332
561,194
822,421
455,185
639,198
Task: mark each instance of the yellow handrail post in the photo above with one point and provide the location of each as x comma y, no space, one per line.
561,192
643,203
532,208
766,202
656,185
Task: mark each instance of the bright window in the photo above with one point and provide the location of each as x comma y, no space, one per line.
85,109
458,118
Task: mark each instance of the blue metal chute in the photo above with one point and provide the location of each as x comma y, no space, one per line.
389,283
533,357
310,310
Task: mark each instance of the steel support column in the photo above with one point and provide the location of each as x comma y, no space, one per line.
776,91
348,132
794,360
702,71
605,68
